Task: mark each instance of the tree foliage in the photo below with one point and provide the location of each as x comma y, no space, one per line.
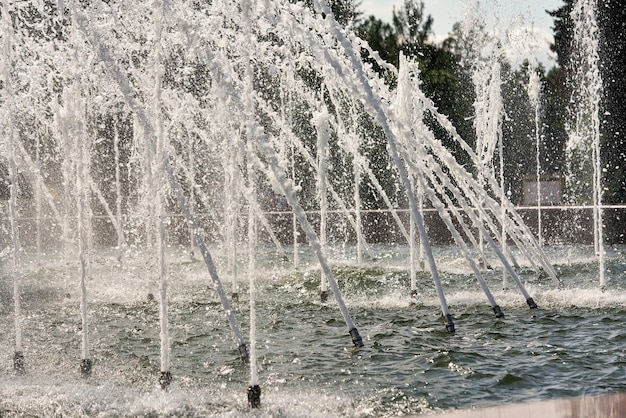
445,80
611,21
612,24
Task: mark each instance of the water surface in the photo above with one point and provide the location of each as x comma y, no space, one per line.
572,345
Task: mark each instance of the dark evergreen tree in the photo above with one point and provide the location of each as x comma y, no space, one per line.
611,19
554,135
612,26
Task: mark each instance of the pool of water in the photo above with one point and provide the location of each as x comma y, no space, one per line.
573,345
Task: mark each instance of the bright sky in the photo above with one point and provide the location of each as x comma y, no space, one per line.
510,14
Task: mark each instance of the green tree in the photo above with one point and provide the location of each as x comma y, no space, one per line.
612,25
344,11
412,27
445,79
611,20
554,135
518,130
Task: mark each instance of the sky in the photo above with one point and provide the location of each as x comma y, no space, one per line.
529,15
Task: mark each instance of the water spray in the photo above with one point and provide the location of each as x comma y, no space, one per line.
208,259
355,222
320,121
254,390
157,170
142,118
420,168
231,191
18,358
480,224
376,106
585,106
83,251
515,225
445,217
77,109
287,189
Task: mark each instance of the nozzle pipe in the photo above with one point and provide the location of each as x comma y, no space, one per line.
356,338
18,363
244,354
449,324
254,396
85,367
531,303
498,312
165,379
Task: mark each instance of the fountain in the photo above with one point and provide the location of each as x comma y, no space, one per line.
584,135
139,134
